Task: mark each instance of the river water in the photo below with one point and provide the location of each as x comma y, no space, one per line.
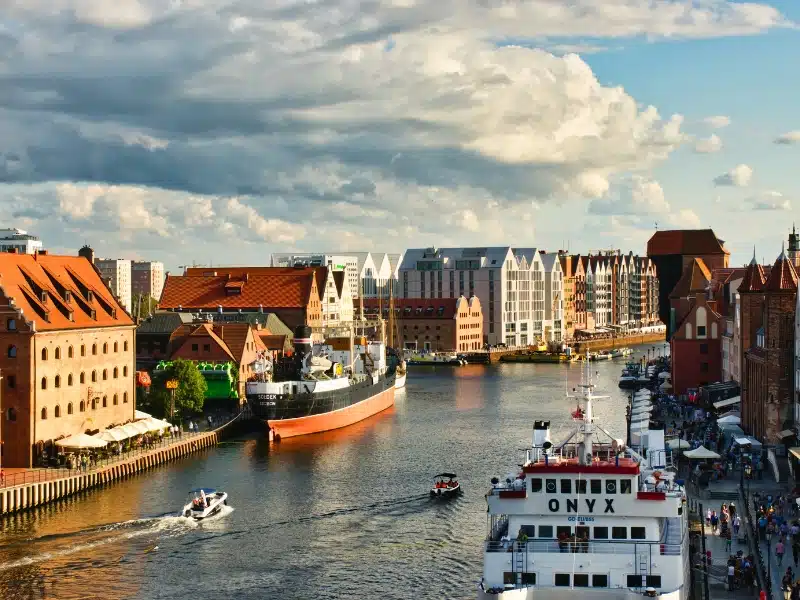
343,514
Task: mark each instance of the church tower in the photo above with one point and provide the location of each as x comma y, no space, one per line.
794,248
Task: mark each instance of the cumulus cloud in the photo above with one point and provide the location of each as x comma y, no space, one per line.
738,176
717,121
354,120
769,200
791,137
709,145
636,196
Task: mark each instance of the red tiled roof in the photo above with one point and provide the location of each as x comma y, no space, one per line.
782,277
753,278
429,308
685,241
274,342
695,278
38,284
267,287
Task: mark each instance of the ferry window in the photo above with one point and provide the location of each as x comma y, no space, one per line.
653,581
529,579
599,580
562,580
638,533
536,485
566,486
546,531
551,486
601,533
624,486
563,530
596,486
611,486
580,580
580,486
509,578
635,581
529,530
619,533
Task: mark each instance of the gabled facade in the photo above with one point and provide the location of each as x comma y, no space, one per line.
553,323
568,272
622,291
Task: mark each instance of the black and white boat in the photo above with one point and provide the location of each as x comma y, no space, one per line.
445,485
204,502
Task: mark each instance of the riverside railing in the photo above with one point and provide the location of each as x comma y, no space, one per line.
590,547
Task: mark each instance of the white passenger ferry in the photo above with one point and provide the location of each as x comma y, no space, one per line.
588,519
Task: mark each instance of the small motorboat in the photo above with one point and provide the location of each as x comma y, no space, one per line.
445,485
204,502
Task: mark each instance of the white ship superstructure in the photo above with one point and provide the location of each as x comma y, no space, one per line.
586,518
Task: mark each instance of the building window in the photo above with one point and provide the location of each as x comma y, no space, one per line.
125,397
57,381
69,379
125,371
105,401
44,413
44,353
703,347
58,353
70,352
105,348
94,376
69,408
11,324
116,399
704,367
12,351
94,403
11,414
12,381
44,383
194,347
701,331
116,347
58,411
83,350
206,347
82,406
94,349
116,372
105,374
125,346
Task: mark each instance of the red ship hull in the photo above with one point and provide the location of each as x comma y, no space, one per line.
286,428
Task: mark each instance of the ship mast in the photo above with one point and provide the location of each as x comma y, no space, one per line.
391,315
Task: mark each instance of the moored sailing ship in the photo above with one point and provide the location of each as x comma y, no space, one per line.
323,386
587,519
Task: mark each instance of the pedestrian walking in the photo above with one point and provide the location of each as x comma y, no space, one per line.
737,522
779,550
714,521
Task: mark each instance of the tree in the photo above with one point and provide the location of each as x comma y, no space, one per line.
144,305
190,394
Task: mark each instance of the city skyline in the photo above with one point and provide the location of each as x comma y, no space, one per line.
410,126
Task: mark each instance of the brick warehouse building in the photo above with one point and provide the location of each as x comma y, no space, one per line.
66,354
672,251
435,324
767,304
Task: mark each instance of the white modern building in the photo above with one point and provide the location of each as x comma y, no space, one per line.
18,240
553,323
601,290
337,299
368,274
116,272
509,282
147,278
622,291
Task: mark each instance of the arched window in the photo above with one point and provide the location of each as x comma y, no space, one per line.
11,414
116,399
70,352
58,353
116,372
116,347
12,351
94,376
69,379
57,381
94,403
125,397
82,406
44,413
83,377
94,349
83,349
124,371
125,346
44,383
105,374
105,348
69,408
44,353
58,411
105,401
11,324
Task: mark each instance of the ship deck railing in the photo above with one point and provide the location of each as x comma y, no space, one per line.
629,548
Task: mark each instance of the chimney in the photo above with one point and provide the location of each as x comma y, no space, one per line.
87,253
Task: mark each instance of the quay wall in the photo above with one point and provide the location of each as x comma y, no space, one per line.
30,495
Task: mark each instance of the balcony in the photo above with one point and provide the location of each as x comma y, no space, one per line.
627,548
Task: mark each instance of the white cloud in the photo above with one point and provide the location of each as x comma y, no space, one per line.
739,176
769,200
791,137
717,121
709,145
636,196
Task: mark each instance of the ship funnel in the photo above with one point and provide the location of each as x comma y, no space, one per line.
302,347
541,439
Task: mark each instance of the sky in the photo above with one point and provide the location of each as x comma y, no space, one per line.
200,131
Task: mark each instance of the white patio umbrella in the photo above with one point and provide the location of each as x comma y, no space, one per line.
701,452
139,426
139,414
666,386
729,420
678,444
111,435
664,375
128,430
81,440
154,424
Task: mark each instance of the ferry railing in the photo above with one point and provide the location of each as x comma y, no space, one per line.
590,547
